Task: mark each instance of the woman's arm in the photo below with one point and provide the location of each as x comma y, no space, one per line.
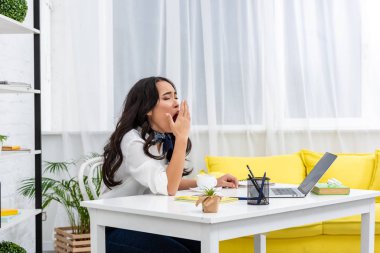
181,129
187,183
226,180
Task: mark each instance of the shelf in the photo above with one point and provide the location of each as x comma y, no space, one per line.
23,215
4,154
10,26
9,89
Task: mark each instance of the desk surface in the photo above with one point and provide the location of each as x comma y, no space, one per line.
167,207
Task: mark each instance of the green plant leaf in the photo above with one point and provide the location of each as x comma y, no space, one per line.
58,186
209,192
15,9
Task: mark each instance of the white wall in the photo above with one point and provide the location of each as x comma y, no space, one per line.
16,121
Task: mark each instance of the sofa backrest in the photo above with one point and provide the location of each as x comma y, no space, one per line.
375,184
353,170
281,169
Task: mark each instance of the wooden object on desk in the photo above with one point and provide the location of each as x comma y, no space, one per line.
324,189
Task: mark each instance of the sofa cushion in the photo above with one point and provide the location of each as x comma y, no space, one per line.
284,168
349,225
353,170
375,185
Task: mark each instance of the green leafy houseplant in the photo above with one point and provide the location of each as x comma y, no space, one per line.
14,9
64,191
3,138
10,247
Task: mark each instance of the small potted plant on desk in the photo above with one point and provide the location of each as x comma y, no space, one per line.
210,201
2,139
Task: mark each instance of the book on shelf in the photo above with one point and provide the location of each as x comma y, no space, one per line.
16,84
7,214
326,189
8,211
14,148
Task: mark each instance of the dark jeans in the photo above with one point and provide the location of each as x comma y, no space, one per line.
128,241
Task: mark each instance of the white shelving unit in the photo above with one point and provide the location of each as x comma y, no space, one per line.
10,26
10,89
5,154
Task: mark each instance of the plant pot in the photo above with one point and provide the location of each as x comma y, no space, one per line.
66,241
210,204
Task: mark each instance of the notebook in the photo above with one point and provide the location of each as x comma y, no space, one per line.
308,183
195,198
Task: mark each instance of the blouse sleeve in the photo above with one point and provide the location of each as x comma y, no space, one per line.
146,170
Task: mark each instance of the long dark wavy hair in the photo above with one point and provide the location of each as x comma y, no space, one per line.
141,99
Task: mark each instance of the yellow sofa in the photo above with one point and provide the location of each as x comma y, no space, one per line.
358,171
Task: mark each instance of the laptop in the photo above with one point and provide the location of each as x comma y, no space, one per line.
308,183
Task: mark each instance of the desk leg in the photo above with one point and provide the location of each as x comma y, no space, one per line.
210,240
368,231
98,235
260,243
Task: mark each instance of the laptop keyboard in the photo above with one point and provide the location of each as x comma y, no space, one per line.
284,191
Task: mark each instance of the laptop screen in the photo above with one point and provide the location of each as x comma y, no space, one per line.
317,172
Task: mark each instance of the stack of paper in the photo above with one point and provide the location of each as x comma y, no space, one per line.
16,84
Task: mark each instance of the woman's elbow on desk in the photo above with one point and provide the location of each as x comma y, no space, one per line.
172,193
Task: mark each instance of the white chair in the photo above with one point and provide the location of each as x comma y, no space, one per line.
88,168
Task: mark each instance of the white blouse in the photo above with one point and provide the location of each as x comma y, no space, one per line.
139,173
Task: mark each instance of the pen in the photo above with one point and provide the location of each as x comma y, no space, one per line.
250,172
243,198
261,189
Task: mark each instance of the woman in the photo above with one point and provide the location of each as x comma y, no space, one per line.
146,154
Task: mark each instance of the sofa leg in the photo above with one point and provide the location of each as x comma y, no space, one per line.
260,243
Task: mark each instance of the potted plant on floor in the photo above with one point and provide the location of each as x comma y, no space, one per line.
10,247
66,192
210,201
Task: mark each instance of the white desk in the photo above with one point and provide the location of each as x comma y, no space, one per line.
162,215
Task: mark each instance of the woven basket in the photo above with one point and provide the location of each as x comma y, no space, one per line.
66,242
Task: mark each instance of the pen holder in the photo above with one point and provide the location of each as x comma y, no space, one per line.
258,191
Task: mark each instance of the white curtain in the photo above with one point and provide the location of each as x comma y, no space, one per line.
261,77
81,74
77,87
